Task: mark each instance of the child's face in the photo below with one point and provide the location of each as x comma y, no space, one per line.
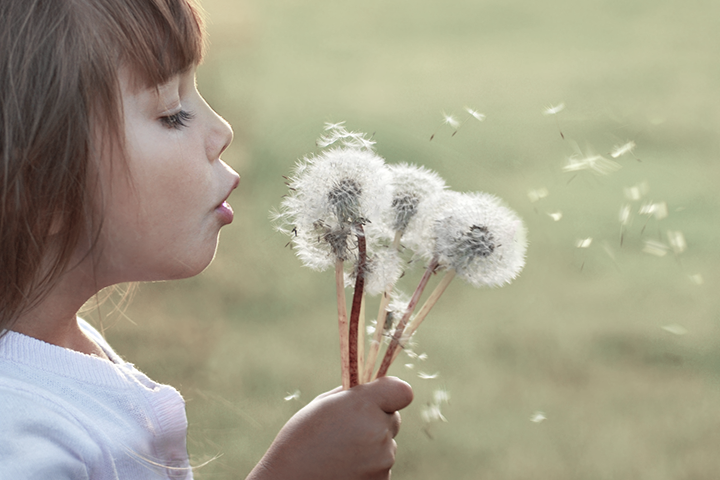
162,214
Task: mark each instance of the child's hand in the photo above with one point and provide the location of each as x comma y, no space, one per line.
342,434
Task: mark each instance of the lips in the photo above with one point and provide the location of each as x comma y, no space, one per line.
224,209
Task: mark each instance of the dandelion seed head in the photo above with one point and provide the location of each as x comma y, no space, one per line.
479,237
330,192
553,110
416,192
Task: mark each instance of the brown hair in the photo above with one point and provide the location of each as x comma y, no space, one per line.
59,90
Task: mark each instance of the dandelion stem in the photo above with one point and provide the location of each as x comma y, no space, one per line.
398,335
425,309
361,342
380,325
342,324
356,307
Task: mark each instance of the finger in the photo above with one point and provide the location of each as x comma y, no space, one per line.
390,394
395,422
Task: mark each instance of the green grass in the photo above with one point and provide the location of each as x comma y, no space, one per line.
578,336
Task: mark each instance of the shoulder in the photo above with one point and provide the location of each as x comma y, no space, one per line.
41,438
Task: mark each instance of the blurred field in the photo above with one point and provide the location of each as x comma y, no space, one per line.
579,336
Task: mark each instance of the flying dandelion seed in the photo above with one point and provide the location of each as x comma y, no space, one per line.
428,376
432,413
538,417
595,163
677,242
474,113
697,279
554,110
658,210
441,396
537,194
622,149
675,329
410,366
624,215
292,396
636,192
422,357
584,242
556,216
654,247
448,120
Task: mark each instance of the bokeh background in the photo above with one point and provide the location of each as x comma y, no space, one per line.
596,363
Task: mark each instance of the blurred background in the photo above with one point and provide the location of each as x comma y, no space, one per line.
601,361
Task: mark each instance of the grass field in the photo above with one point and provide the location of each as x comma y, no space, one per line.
618,348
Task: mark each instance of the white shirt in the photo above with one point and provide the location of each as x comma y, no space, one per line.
67,415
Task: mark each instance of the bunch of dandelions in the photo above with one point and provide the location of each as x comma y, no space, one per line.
347,209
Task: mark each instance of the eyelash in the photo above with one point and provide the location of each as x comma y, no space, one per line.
177,120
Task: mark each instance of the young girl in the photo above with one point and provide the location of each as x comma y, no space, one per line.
111,173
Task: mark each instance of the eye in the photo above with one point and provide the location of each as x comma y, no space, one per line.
177,120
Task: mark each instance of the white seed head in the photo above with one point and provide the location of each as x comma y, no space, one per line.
332,192
479,237
415,192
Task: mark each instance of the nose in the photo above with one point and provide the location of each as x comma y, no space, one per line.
220,136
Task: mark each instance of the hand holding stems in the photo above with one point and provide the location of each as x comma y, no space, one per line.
341,434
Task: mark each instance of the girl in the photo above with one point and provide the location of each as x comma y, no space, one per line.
111,173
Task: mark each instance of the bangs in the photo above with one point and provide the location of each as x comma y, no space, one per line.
156,39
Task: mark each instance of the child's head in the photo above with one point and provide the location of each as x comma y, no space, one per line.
60,91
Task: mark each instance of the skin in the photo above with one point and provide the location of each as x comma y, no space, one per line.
162,211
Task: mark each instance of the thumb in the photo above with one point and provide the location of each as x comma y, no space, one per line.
390,393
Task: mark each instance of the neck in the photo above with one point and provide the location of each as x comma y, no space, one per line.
54,319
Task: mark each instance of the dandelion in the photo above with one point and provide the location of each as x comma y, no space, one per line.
333,197
476,238
415,193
